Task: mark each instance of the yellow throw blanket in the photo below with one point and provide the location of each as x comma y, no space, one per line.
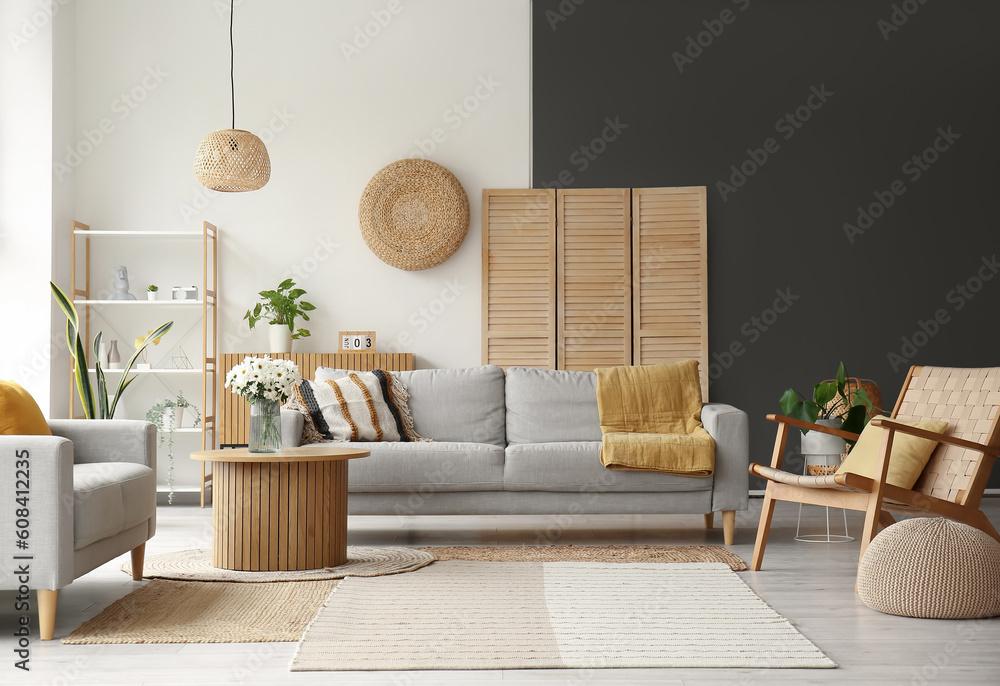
651,419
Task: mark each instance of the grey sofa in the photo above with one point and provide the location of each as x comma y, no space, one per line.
90,496
527,442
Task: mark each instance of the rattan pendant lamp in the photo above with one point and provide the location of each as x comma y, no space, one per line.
232,160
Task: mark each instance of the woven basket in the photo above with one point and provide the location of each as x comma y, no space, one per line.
853,384
414,214
931,567
232,160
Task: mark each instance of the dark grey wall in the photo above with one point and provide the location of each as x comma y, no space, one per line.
839,95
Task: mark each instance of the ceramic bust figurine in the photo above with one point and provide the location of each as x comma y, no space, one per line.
121,285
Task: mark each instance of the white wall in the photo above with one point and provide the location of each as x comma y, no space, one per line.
337,90
331,121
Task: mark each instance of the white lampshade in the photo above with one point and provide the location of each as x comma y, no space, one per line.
232,161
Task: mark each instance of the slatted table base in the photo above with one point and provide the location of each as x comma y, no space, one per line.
279,516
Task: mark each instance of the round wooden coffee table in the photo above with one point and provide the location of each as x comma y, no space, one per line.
279,511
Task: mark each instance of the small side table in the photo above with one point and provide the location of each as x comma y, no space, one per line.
279,511
827,537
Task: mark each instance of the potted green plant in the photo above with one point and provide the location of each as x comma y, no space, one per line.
151,290
95,401
168,415
832,405
281,307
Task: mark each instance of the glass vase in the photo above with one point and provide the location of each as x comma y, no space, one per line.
265,426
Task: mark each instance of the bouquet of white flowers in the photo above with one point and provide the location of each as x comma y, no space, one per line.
261,378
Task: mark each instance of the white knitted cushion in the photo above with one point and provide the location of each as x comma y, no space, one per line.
931,567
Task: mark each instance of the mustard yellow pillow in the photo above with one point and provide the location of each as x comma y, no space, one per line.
19,413
907,460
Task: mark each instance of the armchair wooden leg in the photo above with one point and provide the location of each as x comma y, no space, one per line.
766,512
138,555
47,613
728,526
886,519
709,520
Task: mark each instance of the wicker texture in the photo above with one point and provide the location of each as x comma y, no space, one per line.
931,567
852,385
969,399
414,214
231,161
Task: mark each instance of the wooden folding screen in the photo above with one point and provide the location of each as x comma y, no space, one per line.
670,276
586,278
519,277
593,277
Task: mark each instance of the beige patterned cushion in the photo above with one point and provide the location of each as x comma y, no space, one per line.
931,567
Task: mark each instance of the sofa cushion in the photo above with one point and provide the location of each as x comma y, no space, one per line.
426,467
464,405
110,497
576,466
551,405
19,413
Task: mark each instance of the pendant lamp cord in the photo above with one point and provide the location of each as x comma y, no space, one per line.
232,83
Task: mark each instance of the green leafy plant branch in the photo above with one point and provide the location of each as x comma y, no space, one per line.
165,431
829,400
282,306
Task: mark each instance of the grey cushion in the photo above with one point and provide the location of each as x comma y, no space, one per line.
576,466
551,405
431,467
464,405
109,497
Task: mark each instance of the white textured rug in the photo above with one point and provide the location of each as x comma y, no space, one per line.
522,615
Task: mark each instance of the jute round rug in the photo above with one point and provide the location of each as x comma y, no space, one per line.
196,565
590,553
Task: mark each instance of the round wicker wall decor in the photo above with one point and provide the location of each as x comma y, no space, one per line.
414,214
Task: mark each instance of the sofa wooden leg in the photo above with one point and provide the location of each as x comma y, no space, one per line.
47,613
709,520
138,555
728,526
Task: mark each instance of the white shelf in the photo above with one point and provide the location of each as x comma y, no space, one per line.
148,371
188,430
138,234
139,302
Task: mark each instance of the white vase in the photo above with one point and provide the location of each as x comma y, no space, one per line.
281,338
151,295
820,451
173,416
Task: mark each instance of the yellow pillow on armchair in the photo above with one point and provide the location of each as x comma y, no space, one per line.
19,413
907,460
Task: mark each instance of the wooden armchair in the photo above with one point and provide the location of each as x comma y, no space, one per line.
952,483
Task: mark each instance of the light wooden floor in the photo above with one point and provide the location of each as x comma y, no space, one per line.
810,584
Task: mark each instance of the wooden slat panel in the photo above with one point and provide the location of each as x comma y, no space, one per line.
519,277
234,411
670,277
594,294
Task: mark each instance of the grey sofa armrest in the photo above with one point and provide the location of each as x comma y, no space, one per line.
291,428
50,509
109,440
730,428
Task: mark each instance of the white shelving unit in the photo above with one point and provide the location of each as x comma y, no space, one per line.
83,297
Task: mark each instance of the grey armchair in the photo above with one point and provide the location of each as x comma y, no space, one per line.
87,494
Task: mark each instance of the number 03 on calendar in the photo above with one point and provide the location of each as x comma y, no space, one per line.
357,341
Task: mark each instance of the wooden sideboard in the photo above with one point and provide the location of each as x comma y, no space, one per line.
234,411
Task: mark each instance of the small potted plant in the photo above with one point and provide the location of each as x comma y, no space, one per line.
151,290
832,405
281,307
168,414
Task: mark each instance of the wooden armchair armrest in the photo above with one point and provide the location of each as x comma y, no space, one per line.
893,425
799,424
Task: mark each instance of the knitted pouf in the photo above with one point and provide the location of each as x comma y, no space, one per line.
931,567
